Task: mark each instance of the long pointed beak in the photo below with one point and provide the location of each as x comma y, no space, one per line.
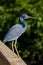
29,17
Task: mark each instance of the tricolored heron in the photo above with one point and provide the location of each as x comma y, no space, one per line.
16,31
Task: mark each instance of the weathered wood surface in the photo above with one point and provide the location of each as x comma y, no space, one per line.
7,57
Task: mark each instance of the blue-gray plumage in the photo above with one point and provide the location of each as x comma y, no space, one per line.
16,31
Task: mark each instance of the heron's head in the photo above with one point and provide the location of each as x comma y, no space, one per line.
25,16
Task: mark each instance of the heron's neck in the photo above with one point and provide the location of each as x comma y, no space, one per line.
24,22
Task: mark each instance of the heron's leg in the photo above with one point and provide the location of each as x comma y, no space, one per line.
12,46
16,48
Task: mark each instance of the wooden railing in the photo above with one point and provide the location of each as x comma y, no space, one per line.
7,57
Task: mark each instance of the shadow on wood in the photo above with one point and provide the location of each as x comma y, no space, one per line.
7,57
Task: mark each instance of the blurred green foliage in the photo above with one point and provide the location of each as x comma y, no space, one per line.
30,44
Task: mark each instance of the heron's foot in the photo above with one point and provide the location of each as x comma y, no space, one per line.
13,50
17,52
18,55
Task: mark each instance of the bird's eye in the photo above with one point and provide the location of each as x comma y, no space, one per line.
24,17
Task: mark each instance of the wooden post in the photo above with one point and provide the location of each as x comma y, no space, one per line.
7,57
